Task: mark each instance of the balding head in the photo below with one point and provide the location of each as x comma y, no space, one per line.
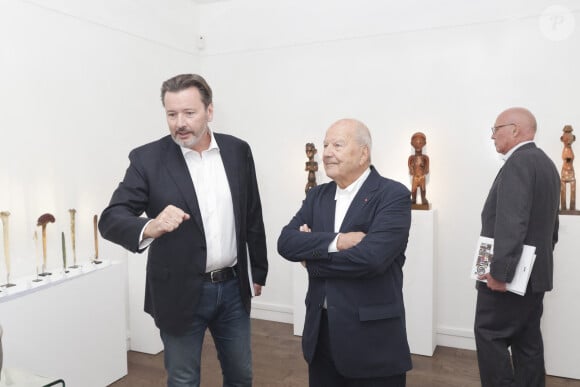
513,126
359,130
347,149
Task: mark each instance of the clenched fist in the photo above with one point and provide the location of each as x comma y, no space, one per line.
168,220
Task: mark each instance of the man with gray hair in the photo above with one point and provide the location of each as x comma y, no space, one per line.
351,235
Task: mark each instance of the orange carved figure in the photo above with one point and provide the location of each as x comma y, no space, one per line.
568,176
418,169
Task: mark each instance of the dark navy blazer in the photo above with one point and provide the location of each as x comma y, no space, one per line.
158,176
363,284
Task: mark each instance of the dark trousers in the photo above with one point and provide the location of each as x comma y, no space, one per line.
504,320
323,373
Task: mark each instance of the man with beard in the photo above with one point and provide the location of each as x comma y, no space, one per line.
199,193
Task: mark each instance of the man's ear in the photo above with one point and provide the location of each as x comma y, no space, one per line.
210,112
365,157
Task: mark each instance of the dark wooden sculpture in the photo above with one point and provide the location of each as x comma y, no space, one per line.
419,169
311,166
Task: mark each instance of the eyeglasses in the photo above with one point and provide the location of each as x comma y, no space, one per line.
495,128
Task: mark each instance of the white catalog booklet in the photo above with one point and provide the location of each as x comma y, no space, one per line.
484,256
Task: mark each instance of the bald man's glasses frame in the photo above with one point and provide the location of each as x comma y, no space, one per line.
495,128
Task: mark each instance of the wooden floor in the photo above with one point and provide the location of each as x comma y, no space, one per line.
278,362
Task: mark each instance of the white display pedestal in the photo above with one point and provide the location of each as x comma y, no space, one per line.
71,328
561,318
418,286
419,290
300,279
144,334
13,377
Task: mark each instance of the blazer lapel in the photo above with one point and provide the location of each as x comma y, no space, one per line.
227,154
177,169
363,196
328,209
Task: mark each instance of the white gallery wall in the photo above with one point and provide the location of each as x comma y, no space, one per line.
80,84
80,88
283,71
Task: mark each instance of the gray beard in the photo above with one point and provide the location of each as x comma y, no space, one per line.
186,144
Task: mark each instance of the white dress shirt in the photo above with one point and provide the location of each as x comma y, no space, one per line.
511,151
215,205
343,199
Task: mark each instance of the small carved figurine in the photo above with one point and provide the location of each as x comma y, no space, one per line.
43,220
568,172
418,169
6,237
311,166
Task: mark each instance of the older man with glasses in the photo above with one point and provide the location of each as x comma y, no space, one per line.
521,209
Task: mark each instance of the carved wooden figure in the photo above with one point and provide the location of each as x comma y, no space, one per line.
567,175
311,166
419,169
43,220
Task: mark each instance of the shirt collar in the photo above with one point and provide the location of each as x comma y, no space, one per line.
212,145
354,186
511,151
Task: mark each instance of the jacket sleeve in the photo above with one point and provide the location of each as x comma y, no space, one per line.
256,235
385,241
121,221
384,244
297,246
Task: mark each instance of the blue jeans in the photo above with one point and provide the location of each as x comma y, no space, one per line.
221,310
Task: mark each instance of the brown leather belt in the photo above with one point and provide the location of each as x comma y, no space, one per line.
220,275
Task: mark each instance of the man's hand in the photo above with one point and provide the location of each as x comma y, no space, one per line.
349,239
257,289
304,228
493,284
168,220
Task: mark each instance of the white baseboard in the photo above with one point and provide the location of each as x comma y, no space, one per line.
446,336
272,312
456,338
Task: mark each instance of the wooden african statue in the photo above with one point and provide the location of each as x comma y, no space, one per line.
567,175
311,166
419,169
